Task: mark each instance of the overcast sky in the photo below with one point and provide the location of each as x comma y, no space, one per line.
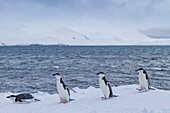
85,15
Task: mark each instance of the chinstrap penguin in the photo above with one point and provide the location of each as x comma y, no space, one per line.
144,81
105,86
23,98
62,89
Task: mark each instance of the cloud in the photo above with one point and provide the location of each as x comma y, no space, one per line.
86,12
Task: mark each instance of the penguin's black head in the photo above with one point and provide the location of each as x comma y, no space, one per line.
140,69
100,73
11,96
56,74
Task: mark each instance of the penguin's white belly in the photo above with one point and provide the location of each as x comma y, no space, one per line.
104,88
63,93
28,100
143,82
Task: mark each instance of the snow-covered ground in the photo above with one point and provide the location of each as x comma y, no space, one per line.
89,101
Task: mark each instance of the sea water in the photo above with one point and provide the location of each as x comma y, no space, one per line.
30,68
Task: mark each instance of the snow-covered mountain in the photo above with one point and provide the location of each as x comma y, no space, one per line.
72,37
130,37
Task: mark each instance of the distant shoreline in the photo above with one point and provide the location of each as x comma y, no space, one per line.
81,45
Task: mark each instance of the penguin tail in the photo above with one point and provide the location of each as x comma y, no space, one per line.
151,88
71,99
114,96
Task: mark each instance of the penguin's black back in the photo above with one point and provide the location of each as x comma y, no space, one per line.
68,91
110,89
61,81
65,87
23,96
147,77
105,81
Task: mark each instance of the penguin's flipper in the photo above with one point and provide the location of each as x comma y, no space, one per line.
72,90
112,84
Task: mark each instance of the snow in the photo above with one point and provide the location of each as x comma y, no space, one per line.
66,36
89,101
115,37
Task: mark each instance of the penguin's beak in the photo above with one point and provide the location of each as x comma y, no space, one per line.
8,97
136,70
97,74
53,75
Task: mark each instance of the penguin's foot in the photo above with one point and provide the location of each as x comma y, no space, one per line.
65,102
104,98
139,89
36,100
143,90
